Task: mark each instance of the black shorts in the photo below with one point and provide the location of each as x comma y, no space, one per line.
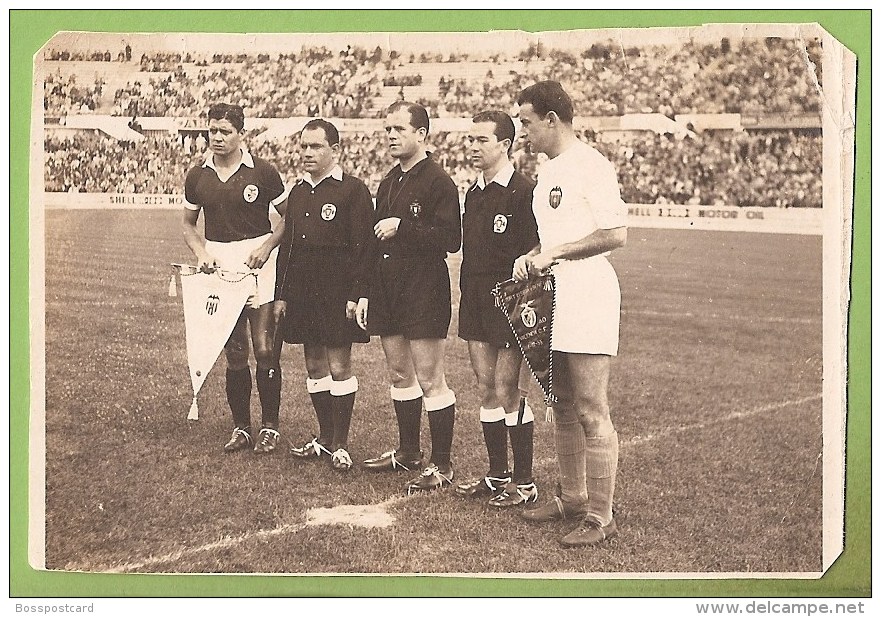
479,317
410,297
316,310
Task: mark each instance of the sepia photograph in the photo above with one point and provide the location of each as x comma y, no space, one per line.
558,304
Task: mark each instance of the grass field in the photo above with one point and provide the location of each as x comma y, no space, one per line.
715,395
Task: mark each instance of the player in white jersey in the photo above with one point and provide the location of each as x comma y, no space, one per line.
581,218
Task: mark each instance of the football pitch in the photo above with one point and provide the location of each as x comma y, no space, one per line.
716,396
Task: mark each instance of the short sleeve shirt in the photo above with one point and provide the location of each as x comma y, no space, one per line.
577,193
238,208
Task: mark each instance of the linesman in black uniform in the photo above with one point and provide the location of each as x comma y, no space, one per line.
497,226
417,224
321,277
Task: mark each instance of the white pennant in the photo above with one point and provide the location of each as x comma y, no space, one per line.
212,305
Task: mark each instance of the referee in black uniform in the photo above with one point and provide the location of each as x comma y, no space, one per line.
417,224
497,226
321,276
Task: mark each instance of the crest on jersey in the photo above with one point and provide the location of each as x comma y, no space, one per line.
211,304
555,197
527,315
250,193
328,211
415,209
500,223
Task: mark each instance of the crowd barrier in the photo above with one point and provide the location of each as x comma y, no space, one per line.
805,221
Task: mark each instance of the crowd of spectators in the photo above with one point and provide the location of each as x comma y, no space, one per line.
63,95
314,82
769,75
756,168
755,76
88,162
761,168
64,55
77,55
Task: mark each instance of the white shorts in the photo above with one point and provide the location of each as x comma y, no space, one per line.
588,307
231,256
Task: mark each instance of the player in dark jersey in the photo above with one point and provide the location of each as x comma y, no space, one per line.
417,224
235,190
328,231
497,227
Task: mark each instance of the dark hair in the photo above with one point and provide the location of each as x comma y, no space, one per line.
330,131
418,114
224,111
502,121
547,96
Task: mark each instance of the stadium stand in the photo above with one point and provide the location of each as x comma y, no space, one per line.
769,168
773,163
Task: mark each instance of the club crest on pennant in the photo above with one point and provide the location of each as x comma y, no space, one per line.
527,315
500,223
328,211
555,197
415,209
211,304
250,193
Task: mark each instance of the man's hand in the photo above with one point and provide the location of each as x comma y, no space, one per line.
350,309
541,263
361,313
279,309
258,257
386,229
207,262
521,268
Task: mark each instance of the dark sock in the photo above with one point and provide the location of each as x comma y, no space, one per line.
324,412
521,445
409,414
441,424
269,389
238,395
495,435
343,406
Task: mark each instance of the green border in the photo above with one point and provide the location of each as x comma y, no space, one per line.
29,30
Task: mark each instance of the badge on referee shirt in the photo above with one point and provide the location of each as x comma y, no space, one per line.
555,197
328,211
415,209
500,223
250,193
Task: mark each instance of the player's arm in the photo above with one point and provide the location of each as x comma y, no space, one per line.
361,241
599,242
285,232
522,263
192,238
441,226
195,241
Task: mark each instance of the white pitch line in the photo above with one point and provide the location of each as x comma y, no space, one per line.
750,318
735,415
294,528
261,534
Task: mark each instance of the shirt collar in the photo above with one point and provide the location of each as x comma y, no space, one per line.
503,177
247,160
336,173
